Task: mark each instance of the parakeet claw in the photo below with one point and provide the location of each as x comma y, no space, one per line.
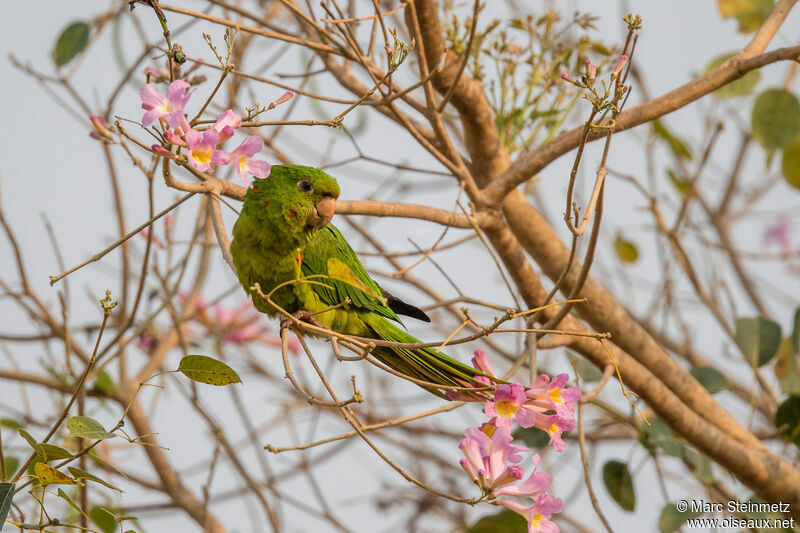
304,316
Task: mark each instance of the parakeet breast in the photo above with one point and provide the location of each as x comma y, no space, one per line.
260,259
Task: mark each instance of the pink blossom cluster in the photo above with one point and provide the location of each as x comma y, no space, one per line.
587,80
491,460
241,325
545,404
203,148
780,233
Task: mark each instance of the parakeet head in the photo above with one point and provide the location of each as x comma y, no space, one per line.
294,201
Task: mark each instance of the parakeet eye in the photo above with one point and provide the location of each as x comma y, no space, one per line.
305,186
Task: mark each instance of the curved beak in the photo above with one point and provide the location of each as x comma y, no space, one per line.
323,213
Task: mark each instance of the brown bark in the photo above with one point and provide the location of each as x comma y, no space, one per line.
667,388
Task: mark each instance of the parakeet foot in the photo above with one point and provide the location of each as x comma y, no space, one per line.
303,316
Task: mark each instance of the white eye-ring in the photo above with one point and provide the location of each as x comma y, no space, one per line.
305,186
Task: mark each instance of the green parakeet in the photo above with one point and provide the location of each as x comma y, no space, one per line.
284,235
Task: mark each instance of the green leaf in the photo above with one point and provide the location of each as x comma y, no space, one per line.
103,382
32,468
600,48
626,250
533,437
10,423
71,42
786,369
85,427
790,163
45,452
104,519
50,476
758,338
6,495
207,370
33,442
750,14
675,143
51,452
710,378
671,518
701,466
740,87
503,522
776,119
586,370
618,482
787,419
11,463
682,185
539,113
658,435
63,495
77,473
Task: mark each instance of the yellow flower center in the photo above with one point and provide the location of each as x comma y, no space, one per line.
555,395
202,155
506,409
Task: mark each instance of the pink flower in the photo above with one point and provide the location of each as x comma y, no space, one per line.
780,233
226,123
145,342
241,158
101,131
241,325
173,138
543,397
569,79
169,107
487,450
479,362
538,514
511,474
202,149
285,97
554,425
532,487
155,240
507,406
561,399
492,439
163,152
228,118
591,71
620,65
486,456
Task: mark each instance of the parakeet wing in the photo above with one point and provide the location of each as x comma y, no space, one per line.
329,255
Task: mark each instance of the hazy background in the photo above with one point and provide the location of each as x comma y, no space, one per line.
49,166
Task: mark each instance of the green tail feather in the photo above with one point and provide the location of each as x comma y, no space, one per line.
425,364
